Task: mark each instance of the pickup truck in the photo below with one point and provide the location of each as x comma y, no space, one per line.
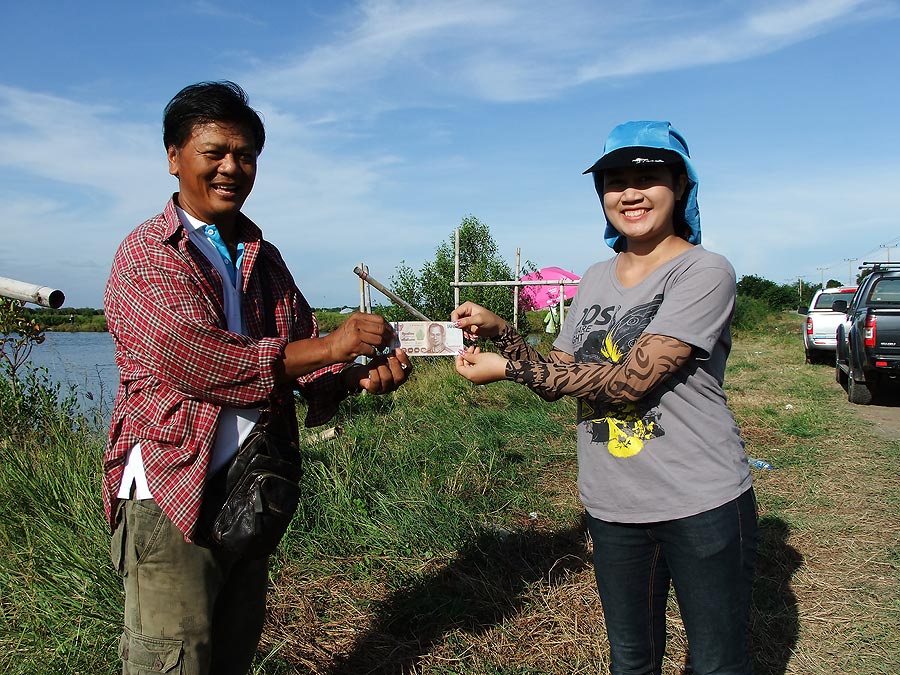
867,358
822,322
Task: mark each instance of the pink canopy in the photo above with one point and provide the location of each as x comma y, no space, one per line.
538,297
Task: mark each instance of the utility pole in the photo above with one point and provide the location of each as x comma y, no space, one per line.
851,280
889,247
822,271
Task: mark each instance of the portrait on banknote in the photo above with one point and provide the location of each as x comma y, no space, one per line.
428,338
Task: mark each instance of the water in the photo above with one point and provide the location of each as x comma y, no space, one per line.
85,360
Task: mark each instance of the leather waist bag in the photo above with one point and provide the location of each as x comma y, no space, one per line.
248,505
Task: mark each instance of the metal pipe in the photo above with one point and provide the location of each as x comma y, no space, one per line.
515,293
39,295
405,305
536,282
456,268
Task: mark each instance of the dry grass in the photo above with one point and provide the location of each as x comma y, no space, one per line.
827,597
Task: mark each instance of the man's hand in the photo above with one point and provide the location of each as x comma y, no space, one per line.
381,375
476,321
360,335
481,367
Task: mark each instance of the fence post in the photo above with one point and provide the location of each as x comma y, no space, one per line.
515,289
362,289
562,305
456,270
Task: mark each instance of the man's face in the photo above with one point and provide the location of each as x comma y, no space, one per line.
435,336
216,168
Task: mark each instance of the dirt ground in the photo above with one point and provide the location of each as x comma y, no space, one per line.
884,415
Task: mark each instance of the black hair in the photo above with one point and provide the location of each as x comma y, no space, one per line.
207,102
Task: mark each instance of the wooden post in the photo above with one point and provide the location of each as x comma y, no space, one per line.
38,295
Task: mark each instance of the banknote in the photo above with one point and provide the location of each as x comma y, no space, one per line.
428,338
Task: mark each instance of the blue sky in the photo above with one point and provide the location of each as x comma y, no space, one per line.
388,122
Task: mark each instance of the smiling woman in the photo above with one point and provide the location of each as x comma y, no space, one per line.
662,470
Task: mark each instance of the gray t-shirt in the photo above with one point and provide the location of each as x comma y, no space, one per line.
676,452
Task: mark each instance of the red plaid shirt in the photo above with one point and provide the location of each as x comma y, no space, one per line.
179,365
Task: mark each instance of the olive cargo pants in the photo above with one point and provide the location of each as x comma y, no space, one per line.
188,609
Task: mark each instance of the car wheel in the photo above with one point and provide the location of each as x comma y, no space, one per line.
809,357
858,392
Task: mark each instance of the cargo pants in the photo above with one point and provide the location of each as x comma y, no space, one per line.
188,610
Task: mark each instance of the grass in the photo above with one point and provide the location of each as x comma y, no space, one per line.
441,533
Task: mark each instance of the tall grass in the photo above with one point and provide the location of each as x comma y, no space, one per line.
59,604
440,533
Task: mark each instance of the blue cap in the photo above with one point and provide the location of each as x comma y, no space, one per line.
635,143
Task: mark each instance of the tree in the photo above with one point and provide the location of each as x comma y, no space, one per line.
430,291
833,283
776,296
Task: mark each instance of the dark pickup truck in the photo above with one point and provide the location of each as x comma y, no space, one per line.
868,340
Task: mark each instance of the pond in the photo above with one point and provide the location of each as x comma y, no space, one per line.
85,360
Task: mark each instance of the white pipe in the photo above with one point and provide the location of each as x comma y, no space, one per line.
39,295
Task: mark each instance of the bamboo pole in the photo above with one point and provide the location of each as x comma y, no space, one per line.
364,277
38,295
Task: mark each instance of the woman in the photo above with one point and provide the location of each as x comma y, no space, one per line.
662,470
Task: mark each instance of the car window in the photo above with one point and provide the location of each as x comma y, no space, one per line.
885,292
825,300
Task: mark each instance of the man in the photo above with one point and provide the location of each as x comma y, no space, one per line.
209,329
437,339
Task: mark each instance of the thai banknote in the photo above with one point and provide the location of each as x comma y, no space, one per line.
428,338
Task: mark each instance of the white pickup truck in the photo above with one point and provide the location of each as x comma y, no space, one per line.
821,323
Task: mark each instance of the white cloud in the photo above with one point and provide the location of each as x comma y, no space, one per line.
392,52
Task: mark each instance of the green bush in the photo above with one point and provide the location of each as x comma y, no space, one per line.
751,314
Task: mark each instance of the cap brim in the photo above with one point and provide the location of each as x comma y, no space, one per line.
635,156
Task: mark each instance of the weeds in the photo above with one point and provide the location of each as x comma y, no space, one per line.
441,533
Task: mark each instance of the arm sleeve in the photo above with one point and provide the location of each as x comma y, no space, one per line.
651,360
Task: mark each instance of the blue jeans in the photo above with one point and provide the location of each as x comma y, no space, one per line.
709,559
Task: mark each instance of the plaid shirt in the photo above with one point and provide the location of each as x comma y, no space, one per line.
179,365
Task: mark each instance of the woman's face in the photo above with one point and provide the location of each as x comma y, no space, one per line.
640,202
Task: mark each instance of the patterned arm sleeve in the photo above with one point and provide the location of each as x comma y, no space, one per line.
651,360
515,348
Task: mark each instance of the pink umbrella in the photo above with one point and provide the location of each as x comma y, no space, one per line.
538,297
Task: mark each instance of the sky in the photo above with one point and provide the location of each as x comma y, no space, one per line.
389,121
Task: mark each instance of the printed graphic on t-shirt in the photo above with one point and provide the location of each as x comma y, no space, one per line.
608,339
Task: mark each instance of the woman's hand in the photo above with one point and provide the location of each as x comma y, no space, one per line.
476,321
481,367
